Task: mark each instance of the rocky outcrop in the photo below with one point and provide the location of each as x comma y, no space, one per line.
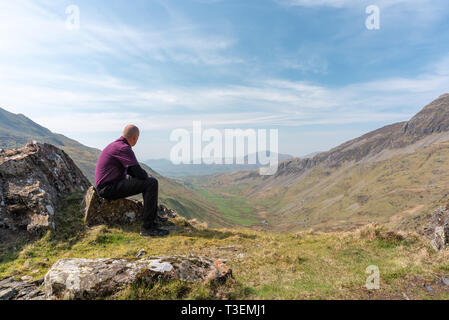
97,278
11,289
438,228
98,210
32,181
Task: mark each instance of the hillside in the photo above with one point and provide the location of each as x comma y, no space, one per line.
392,175
16,130
303,265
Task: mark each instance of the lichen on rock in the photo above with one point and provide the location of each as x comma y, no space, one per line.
98,210
99,278
32,181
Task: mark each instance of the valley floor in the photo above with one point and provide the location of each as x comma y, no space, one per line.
302,265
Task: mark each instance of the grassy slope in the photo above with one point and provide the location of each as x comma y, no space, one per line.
397,191
233,208
274,266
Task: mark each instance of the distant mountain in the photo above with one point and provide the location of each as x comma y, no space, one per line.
16,130
391,175
167,168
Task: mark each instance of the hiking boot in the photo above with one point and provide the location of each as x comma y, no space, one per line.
153,232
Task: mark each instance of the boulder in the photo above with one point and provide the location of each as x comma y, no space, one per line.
97,278
438,228
32,181
98,210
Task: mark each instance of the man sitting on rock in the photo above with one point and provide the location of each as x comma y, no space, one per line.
119,175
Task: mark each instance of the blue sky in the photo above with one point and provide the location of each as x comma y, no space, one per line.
311,69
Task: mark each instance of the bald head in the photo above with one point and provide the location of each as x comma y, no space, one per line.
131,133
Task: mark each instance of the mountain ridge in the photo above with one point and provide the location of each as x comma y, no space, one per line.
393,136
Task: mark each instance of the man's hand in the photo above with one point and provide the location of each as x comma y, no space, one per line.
137,172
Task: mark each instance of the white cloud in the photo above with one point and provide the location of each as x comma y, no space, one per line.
28,29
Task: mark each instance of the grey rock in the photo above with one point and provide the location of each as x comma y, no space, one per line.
33,180
445,280
19,290
438,229
5,282
33,294
38,282
26,278
141,253
8,293
96,278
165,212
101,211
24,291
98,210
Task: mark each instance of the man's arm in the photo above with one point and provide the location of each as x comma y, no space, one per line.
137,172
128,159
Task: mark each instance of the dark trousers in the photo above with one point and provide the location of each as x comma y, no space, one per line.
130,186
